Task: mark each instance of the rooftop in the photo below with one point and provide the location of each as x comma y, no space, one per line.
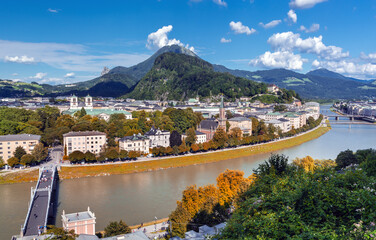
97,111
79,216
85,133
134,137
19,137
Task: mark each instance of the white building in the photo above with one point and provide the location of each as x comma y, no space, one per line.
158,138
92,141
282,124
138,143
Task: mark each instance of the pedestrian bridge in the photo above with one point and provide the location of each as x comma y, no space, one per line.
41,205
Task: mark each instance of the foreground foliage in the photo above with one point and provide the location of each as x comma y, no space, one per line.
307,200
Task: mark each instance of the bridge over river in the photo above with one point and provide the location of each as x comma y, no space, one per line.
41,205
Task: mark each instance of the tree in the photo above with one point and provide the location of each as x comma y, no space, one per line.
39,152
190,200
27,159
60,233
220,137
183,148
76,156
19,152
112,154
195,148
175,139
2,163
346,158
179,219
13,161
90,157
230,184
306,163
134,154
280,108
116,228
276,164
191,137
123,154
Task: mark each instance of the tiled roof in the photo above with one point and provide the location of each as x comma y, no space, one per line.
208,124
134,137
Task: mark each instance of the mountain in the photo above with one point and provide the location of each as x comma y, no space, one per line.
9,88
317,84
124,78
179,77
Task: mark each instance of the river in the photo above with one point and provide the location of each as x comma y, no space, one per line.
140,197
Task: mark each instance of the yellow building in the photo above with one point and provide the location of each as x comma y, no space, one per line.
9,143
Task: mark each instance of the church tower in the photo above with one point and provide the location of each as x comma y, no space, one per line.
74,102
88,102
222,115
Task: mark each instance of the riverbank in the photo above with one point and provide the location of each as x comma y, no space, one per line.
70,172
26,175
182,161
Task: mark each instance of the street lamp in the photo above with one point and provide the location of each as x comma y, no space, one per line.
155,224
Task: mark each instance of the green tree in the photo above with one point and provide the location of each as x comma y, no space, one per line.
76,156
19,152
276,164
112,154
90,157
175,139
346,158
191,136
39,152
116,228
280,108
27,159
13,161
179,220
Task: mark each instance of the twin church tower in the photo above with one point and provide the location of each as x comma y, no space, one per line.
74,104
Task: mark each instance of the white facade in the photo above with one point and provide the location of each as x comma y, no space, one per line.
73,102
158,138
201,137
91,141
88,102
136,143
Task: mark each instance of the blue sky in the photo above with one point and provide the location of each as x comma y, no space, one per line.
68,41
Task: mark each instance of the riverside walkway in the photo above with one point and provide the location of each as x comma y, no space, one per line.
40,203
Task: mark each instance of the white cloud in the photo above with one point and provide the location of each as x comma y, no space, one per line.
239,28
53,10
159,39
304,3
371,57
39,76
348,67
292,16
224,40
69,57
279,59
289,41
271,24
69,75
314,27
14,74
17,59
220,2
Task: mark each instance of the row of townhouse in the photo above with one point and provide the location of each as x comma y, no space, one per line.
9,143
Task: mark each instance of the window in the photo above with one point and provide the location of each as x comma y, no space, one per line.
8,147
1,152
8,143
24,142
16,142
8,152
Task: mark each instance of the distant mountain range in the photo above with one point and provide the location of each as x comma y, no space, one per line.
130,81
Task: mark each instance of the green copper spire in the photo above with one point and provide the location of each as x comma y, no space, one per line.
221,106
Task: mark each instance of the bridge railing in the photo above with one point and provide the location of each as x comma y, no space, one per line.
32,196
49,196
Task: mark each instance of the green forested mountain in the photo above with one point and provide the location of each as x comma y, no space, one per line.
317,84
179,77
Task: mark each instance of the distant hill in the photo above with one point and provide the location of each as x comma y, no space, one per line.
127,76
317,84
179,77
